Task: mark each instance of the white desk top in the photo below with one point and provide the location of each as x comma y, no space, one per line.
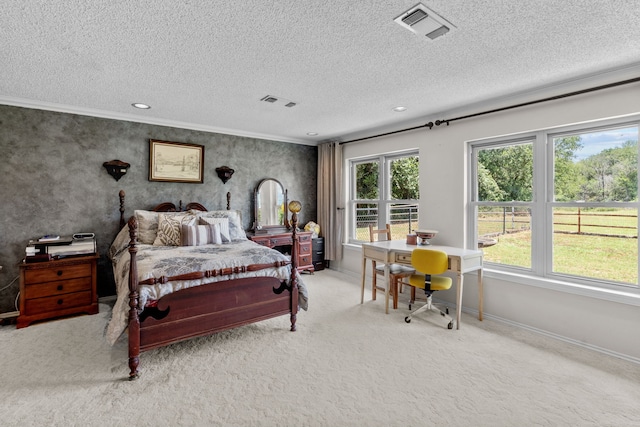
402,246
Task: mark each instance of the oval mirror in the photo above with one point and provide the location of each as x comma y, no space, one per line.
270,201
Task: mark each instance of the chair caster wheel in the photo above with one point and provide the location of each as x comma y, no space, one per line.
408,320
450,325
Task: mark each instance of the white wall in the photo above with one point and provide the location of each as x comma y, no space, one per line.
602,324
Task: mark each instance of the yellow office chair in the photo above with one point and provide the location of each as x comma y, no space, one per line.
428,264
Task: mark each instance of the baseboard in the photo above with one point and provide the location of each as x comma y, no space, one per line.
556,336
9,314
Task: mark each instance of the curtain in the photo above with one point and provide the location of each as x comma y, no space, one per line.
330,200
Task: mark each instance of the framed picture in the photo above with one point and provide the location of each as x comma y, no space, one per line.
176,162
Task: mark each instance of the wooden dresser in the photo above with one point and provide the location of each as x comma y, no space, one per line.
285,241
57,288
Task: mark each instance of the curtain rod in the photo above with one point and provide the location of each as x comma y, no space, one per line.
524,104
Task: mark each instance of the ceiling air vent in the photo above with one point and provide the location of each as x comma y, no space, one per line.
279,100
414,17
424,22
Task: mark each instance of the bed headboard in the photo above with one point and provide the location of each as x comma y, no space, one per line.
168,206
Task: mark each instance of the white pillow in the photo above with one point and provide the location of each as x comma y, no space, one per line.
198,235
223,225
236,232
147,226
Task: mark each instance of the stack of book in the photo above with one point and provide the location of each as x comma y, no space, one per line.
53,247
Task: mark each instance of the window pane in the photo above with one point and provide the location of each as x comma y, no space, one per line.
404,219
366,214
600,243
404,178
504,233
367,181
505,173
597,166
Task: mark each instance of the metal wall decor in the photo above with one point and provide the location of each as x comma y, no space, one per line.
116,168
224,173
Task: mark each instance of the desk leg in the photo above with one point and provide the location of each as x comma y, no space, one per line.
459,299
364,273
480,295
386,288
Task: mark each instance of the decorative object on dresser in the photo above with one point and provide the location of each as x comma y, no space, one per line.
283,242
224,173
116,168
189,291
317,253
270,203
57,288
176,162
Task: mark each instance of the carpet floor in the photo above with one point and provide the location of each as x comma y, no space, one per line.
347,365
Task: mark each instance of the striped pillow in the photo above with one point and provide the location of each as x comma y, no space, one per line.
197,235
223,223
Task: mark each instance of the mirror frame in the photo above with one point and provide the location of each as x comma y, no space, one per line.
257,227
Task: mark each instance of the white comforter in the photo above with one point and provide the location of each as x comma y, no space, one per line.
157,261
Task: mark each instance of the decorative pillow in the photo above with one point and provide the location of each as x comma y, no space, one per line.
223,225
236,232
169,228
198,235
147,226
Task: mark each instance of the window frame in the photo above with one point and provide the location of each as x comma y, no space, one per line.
384,200
542,207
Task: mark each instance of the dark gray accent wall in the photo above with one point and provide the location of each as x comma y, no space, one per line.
53,181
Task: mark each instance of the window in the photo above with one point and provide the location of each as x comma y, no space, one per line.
384,189
560,204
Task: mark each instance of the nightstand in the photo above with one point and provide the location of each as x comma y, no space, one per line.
317,247
57,288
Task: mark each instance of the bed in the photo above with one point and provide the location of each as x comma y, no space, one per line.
187,272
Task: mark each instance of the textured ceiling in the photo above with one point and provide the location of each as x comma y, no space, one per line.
207,64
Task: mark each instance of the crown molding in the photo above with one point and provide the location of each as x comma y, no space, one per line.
69,109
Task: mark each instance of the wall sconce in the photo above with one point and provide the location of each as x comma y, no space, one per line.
116,168
224,173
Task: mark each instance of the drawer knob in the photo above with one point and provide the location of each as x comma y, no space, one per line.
60,287
59,273
59,302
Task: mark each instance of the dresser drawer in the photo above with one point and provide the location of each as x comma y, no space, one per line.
57,273
303,238
304,261
57,288
304,249
281,241
56,303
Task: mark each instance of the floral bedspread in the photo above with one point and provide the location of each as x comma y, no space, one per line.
157,261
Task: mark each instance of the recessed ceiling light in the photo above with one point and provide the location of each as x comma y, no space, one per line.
312,133
141,106
399,109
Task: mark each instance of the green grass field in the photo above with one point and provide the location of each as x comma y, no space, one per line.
606,249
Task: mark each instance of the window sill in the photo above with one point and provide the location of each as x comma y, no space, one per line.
620,296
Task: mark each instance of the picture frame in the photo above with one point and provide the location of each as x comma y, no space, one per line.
176,162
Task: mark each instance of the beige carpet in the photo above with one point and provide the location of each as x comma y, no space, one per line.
347,365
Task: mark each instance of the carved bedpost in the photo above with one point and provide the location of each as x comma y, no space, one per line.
134,321
294,263
121,195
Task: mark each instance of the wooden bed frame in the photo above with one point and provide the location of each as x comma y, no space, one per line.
205,309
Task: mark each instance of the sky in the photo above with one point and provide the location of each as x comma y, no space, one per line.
595,142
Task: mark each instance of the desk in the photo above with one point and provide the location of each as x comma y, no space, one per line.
398,252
